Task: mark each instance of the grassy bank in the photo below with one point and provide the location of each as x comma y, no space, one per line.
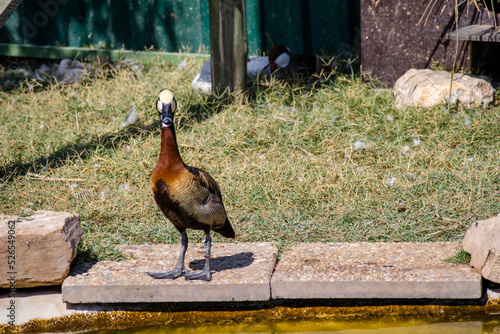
336,163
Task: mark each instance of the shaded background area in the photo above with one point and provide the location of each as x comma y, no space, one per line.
398,35
391,35
307,27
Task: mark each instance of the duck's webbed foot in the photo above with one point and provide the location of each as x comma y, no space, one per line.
204,275
169,274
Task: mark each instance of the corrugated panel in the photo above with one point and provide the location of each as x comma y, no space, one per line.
311,27
173,25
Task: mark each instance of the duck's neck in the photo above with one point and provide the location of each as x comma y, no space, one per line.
169,151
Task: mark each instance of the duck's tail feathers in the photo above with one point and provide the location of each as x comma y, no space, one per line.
226,230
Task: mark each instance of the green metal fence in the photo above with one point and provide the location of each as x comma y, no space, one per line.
306,26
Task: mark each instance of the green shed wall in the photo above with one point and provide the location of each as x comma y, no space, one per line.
306,26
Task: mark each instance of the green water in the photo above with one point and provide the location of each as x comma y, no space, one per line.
327,326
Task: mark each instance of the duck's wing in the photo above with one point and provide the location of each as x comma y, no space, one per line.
205,180
213,206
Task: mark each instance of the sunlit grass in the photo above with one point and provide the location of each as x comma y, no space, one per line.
336,163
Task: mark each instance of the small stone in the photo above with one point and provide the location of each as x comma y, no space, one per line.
482,242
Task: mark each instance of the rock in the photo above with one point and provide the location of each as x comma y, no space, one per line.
493,295
482,242
38,250
426,88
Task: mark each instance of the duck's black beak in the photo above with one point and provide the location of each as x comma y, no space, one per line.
167,116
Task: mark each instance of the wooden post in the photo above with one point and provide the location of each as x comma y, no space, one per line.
228,46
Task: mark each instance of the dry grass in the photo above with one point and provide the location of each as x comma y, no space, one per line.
336,163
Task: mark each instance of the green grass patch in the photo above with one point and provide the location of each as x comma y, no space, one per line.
461,257
336,163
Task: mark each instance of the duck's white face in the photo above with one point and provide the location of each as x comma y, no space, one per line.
166,106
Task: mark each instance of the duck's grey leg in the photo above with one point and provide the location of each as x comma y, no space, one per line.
205,273
180,268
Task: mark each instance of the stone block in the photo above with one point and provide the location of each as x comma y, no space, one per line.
493,295
38,250
426,89
373,270
241,272
482,242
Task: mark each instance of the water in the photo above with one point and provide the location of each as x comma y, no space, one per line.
326,326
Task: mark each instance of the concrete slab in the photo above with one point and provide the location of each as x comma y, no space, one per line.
32,304
373,270
241,272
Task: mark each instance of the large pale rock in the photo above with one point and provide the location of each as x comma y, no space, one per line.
37,250
482,242
426,88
